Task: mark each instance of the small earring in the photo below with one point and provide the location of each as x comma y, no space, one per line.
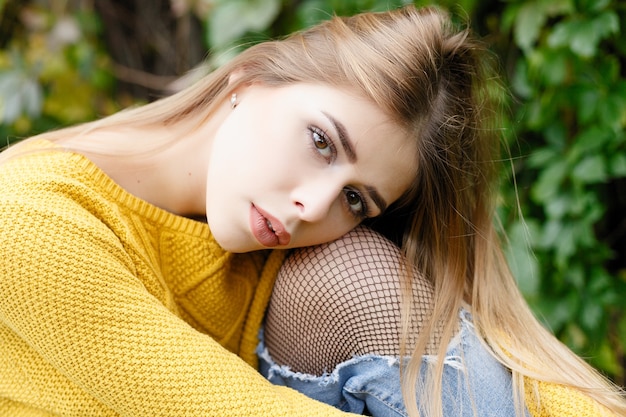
233,101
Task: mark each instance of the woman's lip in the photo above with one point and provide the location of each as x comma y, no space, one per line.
263,233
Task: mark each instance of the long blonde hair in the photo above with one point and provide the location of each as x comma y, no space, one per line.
433,80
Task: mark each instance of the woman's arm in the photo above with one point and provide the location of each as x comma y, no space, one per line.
83,335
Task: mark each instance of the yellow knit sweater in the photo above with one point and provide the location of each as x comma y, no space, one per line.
110,306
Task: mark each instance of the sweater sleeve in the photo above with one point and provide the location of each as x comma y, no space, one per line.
72,301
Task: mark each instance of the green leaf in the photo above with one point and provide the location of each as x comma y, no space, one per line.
542,157
523,263
530,19
584,40
551,232
599,281
576,277
19,95
618,165
605,24
32,98
557,207
311,12
507,19
591,315
558,312
520,83
555,68
583,36
591,140
535,115
596,5
233,18
587,104
591,169
561,34
556,137
549,181
565,245
10,98
579,36
611,110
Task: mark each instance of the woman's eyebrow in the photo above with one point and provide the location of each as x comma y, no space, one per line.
376,198
344,138
346,143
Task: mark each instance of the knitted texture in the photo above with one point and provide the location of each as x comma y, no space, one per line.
110,306
544,399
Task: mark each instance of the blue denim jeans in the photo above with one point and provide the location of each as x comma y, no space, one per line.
474,383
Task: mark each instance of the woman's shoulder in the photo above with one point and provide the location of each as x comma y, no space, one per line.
40,161
41,173
40,176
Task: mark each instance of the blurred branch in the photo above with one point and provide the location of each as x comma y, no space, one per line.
143,78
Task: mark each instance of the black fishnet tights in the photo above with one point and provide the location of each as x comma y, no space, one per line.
341,299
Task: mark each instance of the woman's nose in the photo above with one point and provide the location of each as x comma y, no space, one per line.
315,200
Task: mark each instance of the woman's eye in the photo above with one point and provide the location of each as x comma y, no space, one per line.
356,203
322,143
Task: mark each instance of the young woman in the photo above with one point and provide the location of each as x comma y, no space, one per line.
343,314
136,266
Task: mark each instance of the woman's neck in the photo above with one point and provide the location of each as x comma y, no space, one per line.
165,166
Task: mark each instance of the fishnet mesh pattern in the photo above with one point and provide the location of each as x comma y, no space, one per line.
341,299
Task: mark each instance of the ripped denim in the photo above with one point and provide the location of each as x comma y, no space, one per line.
474,383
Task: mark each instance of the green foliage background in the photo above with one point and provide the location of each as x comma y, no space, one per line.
62,62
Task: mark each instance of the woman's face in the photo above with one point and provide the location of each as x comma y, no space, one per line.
302,165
